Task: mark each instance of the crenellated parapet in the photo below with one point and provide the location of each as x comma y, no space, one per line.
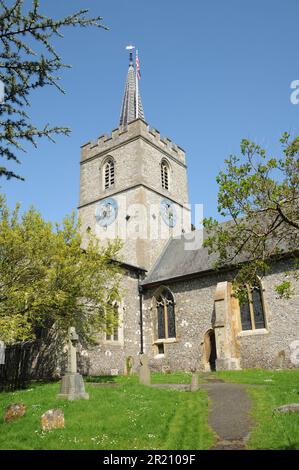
137,129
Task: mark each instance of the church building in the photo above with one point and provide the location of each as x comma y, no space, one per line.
176,307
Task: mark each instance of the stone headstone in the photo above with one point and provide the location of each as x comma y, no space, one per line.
194,382
52,419
290,408
144,371
2,352
72,385
129,365
14,411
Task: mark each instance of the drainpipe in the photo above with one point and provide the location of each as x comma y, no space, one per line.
140,290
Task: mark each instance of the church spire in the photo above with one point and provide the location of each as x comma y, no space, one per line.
131,106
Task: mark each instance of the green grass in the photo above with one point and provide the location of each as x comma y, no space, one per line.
268,390
130,416
156,378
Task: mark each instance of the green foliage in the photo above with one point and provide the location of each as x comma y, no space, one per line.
260,195
285,289
29,61
45,277
111,419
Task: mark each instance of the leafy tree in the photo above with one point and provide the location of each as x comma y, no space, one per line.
28,61
260,194
45,276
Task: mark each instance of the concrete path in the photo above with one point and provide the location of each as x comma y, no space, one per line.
229,414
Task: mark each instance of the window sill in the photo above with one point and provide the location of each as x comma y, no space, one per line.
112,343
159,356
259,331
165,340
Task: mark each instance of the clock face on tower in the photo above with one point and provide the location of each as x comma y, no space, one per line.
168,212
106,212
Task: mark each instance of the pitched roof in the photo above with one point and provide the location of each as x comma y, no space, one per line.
185,256
182,256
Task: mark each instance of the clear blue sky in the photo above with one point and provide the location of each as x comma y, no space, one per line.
213,71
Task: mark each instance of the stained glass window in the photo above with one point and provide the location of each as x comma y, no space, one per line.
161,318
252,312
165,316
245,316
258,309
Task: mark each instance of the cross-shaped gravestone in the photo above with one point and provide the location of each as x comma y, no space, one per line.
72,385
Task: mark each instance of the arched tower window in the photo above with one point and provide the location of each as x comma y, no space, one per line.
165,175
108,173
252,311
165,315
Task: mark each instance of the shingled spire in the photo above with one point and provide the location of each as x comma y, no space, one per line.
131,106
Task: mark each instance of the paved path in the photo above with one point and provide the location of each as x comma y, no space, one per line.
229,414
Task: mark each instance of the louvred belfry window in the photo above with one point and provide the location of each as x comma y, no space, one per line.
165,175
252,310
109,174
165,315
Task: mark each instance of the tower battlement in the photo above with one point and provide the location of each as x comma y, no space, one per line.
132,131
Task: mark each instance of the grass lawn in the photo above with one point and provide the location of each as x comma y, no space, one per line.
130,416
269,389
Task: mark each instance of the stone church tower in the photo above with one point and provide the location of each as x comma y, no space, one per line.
133,184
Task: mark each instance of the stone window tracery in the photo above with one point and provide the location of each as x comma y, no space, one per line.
165,315
252,311
112,332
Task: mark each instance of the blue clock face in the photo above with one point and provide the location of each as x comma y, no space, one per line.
106,212
168,212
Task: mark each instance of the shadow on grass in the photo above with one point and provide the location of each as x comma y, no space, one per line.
292,446
100,378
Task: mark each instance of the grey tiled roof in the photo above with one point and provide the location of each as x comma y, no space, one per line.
128,109
185,255
181,256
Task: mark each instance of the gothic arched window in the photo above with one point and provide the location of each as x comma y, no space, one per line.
165,175
112,330
252,311
165,315
108,173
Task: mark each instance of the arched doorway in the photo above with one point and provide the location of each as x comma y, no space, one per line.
209,352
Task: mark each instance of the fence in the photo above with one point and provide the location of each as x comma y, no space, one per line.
15,373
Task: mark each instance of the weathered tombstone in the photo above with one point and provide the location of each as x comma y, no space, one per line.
290,408
52,419
72,385
14,411
144,371
129,365
194,382
2,352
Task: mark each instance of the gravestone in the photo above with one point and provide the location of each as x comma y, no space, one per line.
194,382
14,411
52,419
2,352
129,365
144,371
72,385
290,408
